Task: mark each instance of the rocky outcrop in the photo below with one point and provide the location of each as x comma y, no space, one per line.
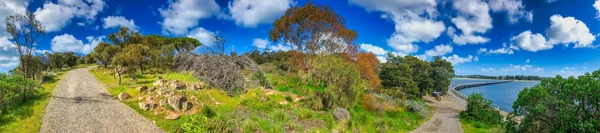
177,102
159,83
340,114
176,84
142,88
164,91
187,106
195,86
123,96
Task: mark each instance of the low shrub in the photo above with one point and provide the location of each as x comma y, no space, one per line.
342,79
261,77
480,109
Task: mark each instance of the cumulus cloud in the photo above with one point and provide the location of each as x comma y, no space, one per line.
565,30
597,7
55,16
374,49
280,47
411,25
522,68
439,50
118,21
68,43
202,35
471,21
455,59
527,61
530,42
8,56
250,13
181,15
515,10
260,43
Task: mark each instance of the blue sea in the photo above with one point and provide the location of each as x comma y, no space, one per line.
502,95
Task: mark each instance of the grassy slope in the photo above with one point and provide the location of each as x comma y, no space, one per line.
28,118
475,127
257,111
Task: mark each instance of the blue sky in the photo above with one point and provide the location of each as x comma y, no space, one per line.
490,37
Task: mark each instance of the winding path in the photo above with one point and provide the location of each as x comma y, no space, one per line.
446,118
80,104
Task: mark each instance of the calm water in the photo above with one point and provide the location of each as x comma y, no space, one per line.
503,94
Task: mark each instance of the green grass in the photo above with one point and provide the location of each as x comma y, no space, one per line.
478,127
256,111
28,117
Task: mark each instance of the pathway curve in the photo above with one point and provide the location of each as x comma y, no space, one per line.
81,104
446,118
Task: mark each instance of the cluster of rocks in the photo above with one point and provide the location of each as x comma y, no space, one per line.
163,93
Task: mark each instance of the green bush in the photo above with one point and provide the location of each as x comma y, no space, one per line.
261,77
481,110
206,121
342,79
47,78
14,90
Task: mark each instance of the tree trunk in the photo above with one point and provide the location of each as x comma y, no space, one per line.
142,68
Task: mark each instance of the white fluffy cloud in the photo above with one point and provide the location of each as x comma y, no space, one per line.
565,30
439,50
68,43
514,9
118,21
250,13
455,59
280,47
411,25
504,50
260,43
530,42
55,16
473,18
8,56
202,35
181,15
375,49
522,68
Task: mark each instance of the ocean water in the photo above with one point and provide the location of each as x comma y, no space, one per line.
502,95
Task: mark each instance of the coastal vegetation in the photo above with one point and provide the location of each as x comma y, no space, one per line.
480,115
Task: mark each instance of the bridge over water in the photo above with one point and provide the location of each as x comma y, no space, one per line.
453,90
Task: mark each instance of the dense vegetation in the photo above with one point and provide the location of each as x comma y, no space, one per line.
480,113
559,105
411,77
507,77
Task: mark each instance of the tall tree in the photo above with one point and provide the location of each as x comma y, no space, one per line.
185,44
104,52
397,77
421,71
125,36
442,73
313,29
369,68
25,30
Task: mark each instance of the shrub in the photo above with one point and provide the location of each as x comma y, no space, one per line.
206,121
481,110
14,90
262,79
342,79
220,71
47,78
418,107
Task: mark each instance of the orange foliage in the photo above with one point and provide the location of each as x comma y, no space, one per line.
297,60
369,68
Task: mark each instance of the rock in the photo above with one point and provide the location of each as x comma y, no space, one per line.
165,92
162,102
187,106
123,96
142,88
340,114
151,89
176,102
176,84
144,105
172,116
152,106
150,99
195,86
159,83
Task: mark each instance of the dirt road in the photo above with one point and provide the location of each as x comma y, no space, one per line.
445,119
81,104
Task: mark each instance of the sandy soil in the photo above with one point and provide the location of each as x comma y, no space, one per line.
81,104
445,119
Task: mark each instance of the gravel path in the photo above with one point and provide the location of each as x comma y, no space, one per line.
445,119
80,104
